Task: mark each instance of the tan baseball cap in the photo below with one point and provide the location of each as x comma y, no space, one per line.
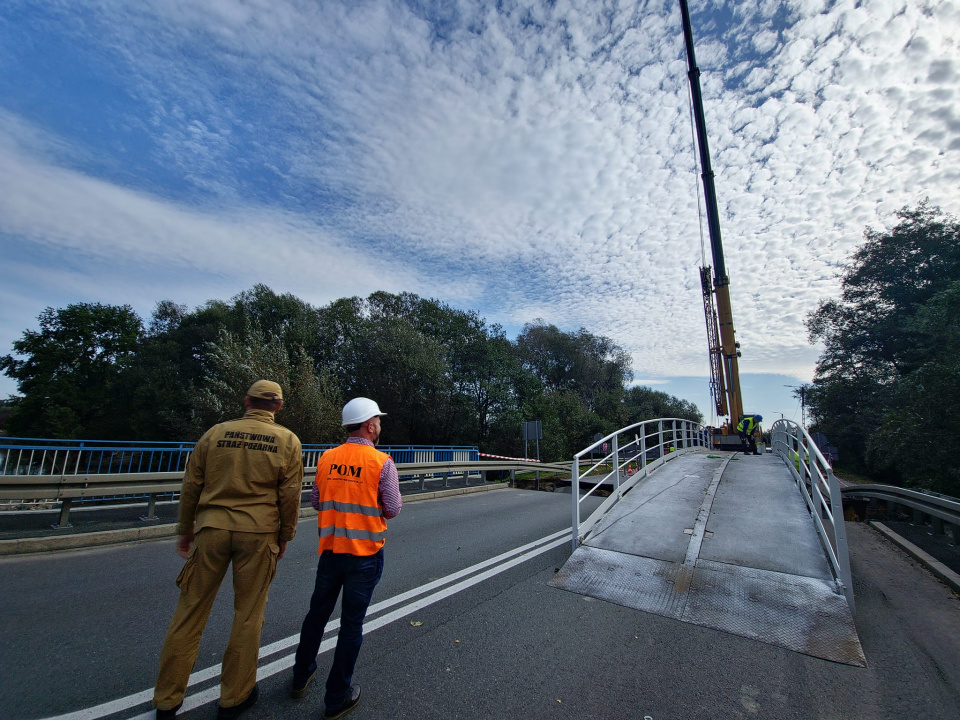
265,390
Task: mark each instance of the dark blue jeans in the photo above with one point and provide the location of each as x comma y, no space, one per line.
357,576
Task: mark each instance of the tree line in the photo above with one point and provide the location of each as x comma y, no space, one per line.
444,376
886,389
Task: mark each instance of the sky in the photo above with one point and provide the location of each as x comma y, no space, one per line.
526,160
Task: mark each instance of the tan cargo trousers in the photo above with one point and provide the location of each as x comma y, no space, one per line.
254,558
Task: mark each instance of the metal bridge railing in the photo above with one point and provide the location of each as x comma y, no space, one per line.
43,457
821,492
631,453
942,510
43,473
35,456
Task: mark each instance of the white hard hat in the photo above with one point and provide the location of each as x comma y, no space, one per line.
358,410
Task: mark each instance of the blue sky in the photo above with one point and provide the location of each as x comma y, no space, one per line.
522,159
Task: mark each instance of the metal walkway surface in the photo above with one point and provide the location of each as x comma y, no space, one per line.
722,541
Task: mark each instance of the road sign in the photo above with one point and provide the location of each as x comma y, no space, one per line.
532,430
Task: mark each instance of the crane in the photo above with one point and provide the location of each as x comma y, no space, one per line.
721,338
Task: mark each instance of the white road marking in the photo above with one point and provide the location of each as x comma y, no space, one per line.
500,563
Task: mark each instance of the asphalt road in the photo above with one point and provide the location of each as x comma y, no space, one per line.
85,627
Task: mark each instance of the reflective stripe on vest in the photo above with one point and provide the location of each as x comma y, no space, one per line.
352,534
350,519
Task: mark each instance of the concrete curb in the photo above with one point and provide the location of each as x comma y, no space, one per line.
948,576
129,535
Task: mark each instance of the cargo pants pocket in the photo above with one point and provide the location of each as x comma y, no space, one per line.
187,570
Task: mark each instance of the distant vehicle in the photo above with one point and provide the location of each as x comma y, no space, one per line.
830,452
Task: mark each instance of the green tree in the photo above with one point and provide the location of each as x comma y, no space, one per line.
406,372
919,428
644,403
592,366
68,368
157,395
285,317
444,375
154,396
882,340
312,400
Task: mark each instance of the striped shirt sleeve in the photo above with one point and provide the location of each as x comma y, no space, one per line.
389,492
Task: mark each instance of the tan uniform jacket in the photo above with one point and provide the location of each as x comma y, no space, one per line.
244,475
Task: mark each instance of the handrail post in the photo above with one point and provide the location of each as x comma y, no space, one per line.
643,445
65,503
575,494
795,449
64,521
616,466
811,466
840,536
663,454
76,467
151,509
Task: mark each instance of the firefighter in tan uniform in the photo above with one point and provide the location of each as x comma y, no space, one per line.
240,503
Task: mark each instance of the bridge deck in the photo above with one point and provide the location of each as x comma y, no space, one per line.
722,541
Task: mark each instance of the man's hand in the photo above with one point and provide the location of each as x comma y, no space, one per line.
283,548
184,543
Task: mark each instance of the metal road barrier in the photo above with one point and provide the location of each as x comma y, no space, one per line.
630,453
68,483
821,491
58,473
943,511
34,456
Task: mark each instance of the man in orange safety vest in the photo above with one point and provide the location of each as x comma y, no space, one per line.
356,491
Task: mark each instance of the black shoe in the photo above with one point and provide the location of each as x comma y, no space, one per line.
299,687
348,705
234,712
169,714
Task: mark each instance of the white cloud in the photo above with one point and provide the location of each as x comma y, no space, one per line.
109,242
535,162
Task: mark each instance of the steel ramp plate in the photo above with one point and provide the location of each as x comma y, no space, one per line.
766,579
802,614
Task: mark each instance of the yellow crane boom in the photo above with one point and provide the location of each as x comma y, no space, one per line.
721,338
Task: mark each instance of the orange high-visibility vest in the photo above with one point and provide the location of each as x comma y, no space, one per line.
350,519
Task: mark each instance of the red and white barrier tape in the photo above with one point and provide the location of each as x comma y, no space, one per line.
504,457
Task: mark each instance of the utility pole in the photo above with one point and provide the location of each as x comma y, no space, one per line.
803,403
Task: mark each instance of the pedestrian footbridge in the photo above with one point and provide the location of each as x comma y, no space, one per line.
739,543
